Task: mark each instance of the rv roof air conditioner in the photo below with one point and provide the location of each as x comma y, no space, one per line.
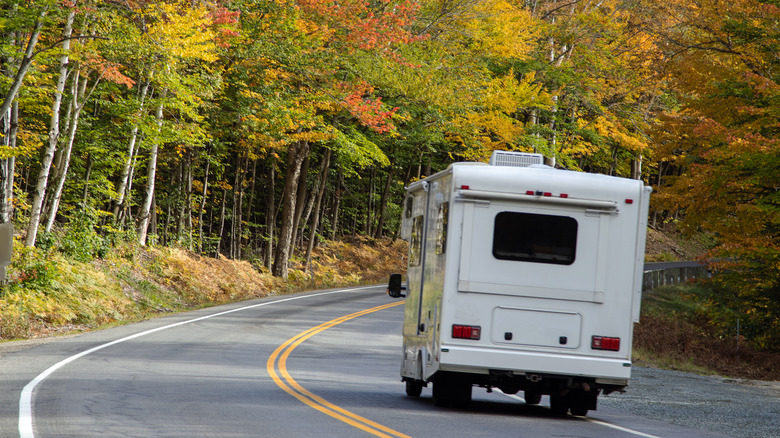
515,159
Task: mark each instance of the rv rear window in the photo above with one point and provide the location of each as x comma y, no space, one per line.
538,238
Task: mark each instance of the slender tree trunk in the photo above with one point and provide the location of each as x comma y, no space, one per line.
10,126
151,174
188,202
238,208
221,222
54,134
336,204
79,89
295,158
87,174
203,204
299,202
383,202
124,179
24,65
270,218
315,222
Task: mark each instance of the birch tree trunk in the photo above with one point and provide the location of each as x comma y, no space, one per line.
125,177
24,65
79,89
151,173
54,134
8,166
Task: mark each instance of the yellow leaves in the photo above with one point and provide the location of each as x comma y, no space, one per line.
508,95
501,28
620,135
180,30
310,136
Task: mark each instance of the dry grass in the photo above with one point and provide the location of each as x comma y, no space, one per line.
50,295
677,343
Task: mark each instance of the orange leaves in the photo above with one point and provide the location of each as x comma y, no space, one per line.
108,70
369,111
364,25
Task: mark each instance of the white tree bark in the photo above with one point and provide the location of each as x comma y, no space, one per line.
29,54
79,91
54,134
122,189
151,173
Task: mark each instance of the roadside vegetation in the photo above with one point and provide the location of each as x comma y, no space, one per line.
691,328
50,292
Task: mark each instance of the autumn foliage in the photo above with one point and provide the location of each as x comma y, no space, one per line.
255,129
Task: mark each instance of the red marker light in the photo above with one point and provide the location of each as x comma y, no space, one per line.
564,195
547,194
605,343
629,201
466,331
464,187
529,192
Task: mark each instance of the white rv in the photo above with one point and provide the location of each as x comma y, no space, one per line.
521,277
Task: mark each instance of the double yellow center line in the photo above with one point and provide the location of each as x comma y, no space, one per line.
278,361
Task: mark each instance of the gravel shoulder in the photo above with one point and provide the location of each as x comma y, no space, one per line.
735,407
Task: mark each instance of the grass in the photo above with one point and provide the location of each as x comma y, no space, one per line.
48,294
675,332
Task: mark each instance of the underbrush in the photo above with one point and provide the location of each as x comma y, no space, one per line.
50,294
681,328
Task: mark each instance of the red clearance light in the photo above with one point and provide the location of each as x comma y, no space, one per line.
564,195
464,187
529,192
466,331
547,194
605,343
629,201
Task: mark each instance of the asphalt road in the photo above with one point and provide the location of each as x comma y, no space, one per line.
242,370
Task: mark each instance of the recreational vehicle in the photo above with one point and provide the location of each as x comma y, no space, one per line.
521,277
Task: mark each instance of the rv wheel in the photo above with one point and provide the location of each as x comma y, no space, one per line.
579,410
451,388
414,388
532,397
558,405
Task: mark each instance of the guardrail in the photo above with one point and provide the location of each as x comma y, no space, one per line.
668,273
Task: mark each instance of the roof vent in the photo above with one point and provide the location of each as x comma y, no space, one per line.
515,159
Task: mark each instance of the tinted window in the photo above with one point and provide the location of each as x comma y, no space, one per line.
536,238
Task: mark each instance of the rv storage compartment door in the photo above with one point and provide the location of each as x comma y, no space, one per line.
540,328
534,251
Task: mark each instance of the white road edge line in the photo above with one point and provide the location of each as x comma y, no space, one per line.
25,400
591,420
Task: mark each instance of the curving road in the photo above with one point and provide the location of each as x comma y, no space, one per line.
317,364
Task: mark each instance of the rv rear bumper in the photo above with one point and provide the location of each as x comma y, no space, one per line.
482,360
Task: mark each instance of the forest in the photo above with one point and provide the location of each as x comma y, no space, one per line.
255,129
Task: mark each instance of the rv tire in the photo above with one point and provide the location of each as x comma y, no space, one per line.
532,397
451,388
558,404
414,388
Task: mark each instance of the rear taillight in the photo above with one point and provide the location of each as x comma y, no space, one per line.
466,331
605,343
